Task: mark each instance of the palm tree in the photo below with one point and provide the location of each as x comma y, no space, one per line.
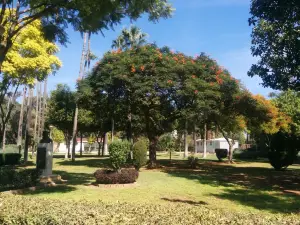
132,37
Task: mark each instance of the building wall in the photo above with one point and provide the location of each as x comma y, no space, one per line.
211,145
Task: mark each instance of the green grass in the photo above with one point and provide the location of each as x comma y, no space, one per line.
243,187
250,186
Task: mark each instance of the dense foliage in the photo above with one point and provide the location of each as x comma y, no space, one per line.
10,159
118,152
275,41
124,176
139,150
12,178
193,161
32,210
221,153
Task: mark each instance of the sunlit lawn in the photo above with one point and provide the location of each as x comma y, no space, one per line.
244,186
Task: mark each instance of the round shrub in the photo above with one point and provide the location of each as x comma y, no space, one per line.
140,149
118,152
221,153
124,176
283,150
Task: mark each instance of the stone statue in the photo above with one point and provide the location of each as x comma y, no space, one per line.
46,138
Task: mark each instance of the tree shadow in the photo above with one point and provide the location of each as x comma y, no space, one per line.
97,162
275,203
61,189
261,188
190,202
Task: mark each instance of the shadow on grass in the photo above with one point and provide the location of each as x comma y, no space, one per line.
61,189
62,156
96,162
190,202
261,188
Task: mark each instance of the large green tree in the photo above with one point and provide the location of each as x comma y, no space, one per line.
56,15
275,41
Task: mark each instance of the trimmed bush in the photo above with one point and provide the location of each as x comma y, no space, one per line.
10,159
125,176
140,149
283,150
193,161
118,152
11,178
221,153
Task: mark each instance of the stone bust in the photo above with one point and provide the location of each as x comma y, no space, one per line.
46,138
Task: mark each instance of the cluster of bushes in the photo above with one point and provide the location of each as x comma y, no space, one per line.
16,178
250,153
32,210
118,154
221,153
10,159
193,161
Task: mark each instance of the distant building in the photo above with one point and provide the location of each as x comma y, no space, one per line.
213,144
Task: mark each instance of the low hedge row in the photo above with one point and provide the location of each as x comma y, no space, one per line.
124,176
32,210
10,159
12,178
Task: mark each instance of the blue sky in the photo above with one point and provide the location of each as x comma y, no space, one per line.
217,27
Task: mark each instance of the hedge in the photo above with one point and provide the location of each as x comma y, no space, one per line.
10,159
11,178
35,210
124,176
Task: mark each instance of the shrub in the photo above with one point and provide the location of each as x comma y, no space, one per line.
283,150
193,161
245,154
118,152
124,176
140,149
11,178
10,159
221,153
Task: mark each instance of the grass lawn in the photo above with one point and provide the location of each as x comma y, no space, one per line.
243,187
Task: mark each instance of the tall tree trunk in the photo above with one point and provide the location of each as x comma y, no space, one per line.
204,140
39,127
44,105
195,139
74,133
112,129
152,150
28,125
186,146
81,143
36,113
20,126
105,144
4,130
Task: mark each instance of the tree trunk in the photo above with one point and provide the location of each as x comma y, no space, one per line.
112,129
28,134
20,126
57,147
68,149
39,133
44,105
152,150
4,130
186,146
80,143
230,152
99,148
195,139
36,113
74,133
204,140
105,144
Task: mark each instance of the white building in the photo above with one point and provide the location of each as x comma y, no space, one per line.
213,144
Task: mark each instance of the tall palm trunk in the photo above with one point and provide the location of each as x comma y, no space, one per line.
204,140
39,133
81,73
28,125
36,112
186,147
195,139
44,105
4,130
20,126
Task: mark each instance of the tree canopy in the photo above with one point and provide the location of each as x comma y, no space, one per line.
275,41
